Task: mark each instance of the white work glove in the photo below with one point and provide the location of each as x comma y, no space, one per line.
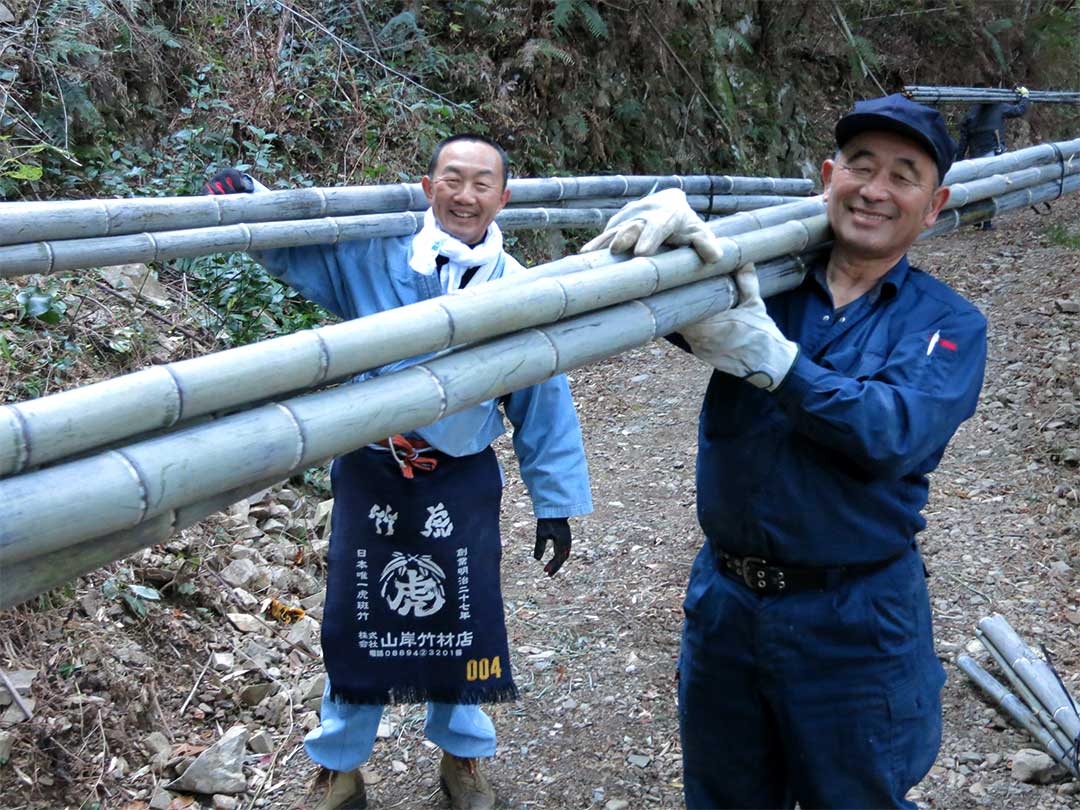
1023,92
744,341
661,218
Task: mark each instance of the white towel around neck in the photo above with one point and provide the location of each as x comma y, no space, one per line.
432,241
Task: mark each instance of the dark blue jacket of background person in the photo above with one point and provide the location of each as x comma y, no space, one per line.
831,470
983,129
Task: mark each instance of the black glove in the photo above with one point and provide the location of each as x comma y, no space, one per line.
229,181
558,531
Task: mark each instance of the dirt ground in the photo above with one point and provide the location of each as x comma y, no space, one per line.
593,649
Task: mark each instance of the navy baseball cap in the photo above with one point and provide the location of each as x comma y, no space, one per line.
899,114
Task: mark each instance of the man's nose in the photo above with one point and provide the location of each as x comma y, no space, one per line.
466,192
876,188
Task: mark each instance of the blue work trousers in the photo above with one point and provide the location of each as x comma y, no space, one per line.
346,732
831,698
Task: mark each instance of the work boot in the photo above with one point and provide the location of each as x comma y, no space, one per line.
464,784
335,790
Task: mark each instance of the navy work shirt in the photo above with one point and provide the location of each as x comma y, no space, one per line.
831,469
983,129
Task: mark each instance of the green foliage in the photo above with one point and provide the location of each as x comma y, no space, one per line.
726,40
990,31
44,305
565,12
1063,236
131,595
540,47
862,58
243,303
629,110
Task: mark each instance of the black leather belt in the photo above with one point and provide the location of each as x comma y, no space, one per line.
766,579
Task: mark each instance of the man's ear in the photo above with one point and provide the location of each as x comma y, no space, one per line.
425,184
937,202
505,197
827,169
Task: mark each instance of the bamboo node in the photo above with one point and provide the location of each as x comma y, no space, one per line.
153,246
20,439
443,399
324,357
301,440
108,217
129,465
555,359
51,255
174,412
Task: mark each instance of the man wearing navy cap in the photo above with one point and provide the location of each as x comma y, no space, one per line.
807,673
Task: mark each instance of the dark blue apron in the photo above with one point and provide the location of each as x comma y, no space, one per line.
414,606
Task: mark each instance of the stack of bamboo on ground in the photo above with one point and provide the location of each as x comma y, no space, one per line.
52,237
101,471
1044,708
930,94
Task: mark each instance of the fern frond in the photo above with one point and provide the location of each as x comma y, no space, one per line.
593,21
727,39
563,13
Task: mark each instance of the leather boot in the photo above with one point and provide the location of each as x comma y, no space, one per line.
335,790
464,784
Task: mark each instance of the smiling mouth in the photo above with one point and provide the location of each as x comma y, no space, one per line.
870,215
463,215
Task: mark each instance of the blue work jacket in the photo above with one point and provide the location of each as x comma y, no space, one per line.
982,131
831,469
362,277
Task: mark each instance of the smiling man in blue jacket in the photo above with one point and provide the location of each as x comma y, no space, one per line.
807,672
413,601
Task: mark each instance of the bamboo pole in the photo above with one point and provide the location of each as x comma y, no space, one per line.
1016,710
71,503
702,203
74,254
161,246
928,94
28,578
1061,152
1038,710
83,219
125,487
118,490
40,431
1035,673
298,432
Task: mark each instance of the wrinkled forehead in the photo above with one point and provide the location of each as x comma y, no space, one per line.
891,147
469,157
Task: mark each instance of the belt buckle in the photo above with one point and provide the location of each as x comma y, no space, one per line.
754,574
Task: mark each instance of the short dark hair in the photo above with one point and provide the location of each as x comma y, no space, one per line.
470,136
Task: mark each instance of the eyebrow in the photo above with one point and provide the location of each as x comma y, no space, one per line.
908,162
450,168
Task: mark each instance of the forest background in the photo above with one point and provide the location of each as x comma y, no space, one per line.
103,98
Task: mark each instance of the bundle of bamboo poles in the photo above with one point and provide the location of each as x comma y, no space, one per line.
44,430
68,518
63,255
930,94
25,222
1045,708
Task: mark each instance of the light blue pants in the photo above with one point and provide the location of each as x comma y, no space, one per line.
346,735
